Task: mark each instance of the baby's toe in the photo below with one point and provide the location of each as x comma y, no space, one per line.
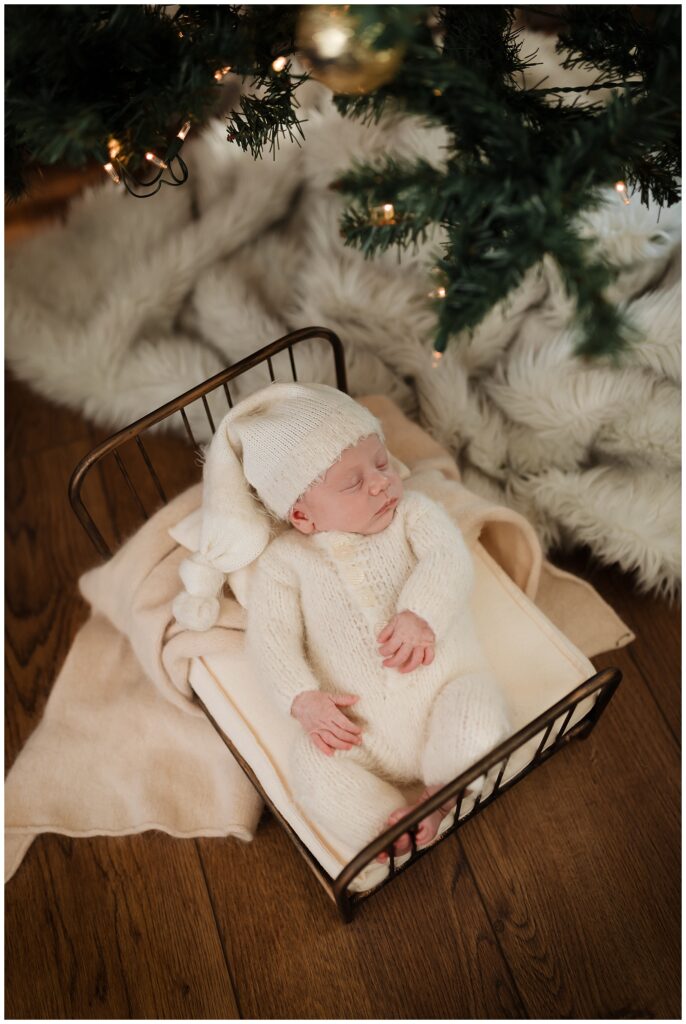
428,828
395,817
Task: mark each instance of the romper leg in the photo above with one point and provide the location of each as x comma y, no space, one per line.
341,794
467,719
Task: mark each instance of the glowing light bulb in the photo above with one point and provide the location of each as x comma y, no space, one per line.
331,42
620,186
112,173
438,92
381,215
114,148
155,160
437,293
221,73
435,358
183,131
279,64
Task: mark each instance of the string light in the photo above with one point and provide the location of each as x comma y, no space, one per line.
438,92
620,186
279,64
437,293
381,215
221,73
173,163
156,160
112,173
436,357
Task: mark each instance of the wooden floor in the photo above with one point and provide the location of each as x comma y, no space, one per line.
560,900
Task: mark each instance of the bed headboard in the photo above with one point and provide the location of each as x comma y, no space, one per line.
150,461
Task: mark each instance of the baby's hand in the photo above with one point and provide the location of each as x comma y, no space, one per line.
319,716
407,641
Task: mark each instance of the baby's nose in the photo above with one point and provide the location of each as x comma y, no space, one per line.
379,483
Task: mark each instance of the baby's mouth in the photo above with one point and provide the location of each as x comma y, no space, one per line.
391,503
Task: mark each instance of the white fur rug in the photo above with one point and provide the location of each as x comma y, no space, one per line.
130,302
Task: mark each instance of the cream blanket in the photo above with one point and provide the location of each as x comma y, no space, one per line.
122,747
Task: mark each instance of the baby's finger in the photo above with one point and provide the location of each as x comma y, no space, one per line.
387,630
321,744
390,647
344,723
343,732
344,698
415,660
333,741
428,655
400,658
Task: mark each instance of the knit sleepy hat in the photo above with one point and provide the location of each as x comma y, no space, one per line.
277,442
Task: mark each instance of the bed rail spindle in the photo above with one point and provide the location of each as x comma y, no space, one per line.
209,414
188,427
561,732
122,469
290,356
151,470
496,787
271,368
543,742
228,396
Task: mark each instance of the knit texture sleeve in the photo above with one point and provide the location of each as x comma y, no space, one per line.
440,584
275,637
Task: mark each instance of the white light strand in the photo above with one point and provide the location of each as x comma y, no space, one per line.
155,160
620,187
112,173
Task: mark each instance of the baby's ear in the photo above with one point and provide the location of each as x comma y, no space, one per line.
299,518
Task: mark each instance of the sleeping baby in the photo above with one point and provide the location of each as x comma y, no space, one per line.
358,611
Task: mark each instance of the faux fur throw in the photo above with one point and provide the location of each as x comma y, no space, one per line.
130,302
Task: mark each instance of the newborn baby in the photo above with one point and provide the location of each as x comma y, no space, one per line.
358,611
359,620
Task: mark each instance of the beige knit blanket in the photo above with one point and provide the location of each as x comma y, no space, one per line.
122,747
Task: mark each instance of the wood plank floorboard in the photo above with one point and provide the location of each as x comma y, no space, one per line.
560,899
113,928
380,966
597,934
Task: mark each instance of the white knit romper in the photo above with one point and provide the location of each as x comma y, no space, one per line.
315,608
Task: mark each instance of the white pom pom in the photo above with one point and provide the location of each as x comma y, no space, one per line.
198,613
199,577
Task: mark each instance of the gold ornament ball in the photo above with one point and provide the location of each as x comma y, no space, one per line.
333,53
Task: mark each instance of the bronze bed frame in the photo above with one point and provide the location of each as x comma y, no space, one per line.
603,684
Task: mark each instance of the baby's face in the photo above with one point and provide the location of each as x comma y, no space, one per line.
359,494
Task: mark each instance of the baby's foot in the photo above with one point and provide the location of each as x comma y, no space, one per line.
403,843
426,830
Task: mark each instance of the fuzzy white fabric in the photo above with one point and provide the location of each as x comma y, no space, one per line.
316,604
129,303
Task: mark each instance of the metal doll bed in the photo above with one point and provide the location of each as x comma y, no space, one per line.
533,645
